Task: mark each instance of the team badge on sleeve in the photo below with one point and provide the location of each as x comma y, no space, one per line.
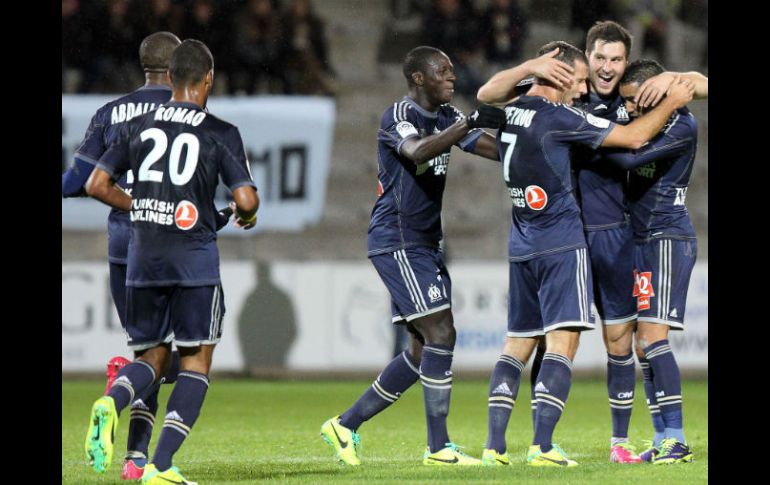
536,197
185,215
405,129
643,289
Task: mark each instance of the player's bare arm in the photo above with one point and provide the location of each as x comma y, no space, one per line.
486,147
101,186
652,90
648,125
420,150
246,205
499,90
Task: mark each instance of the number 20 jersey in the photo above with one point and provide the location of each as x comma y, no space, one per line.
177,154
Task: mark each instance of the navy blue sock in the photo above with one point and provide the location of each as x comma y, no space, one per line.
183,408
536,363
503,389
132,381
551,390
652,402
621,380
394,380
142,420
668,387
436,378
173,369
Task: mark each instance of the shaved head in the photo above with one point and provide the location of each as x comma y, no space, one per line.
156,49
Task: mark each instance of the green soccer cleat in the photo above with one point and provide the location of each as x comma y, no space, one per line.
152,476
451,455
555,457
101,434
493,458
345,442
673,451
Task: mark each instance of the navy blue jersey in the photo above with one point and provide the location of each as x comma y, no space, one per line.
408,210
535,147
600,184
658,185
101,133
177,154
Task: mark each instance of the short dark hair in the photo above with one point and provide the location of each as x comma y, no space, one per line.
641,70
568,53
156,49
190,63
608,31
416,60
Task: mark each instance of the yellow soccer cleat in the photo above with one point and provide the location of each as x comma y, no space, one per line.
345,442
152,476
101,434
556,457
493,458
451,455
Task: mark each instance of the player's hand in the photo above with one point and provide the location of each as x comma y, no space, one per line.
242,223
223,215
681,91
652,90
548,68
486,116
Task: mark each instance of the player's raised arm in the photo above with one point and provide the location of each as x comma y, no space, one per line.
640,131
652,90
499,90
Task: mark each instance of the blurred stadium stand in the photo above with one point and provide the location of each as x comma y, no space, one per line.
366,42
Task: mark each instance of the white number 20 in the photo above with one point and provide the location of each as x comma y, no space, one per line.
159,149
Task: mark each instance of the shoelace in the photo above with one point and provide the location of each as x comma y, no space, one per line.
666,445
455,448
562,452
356,440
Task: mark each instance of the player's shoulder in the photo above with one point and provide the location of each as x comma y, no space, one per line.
681,124
397,112
451,111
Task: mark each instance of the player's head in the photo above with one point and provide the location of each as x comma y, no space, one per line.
155,51
192,66
636,74
607,46
574,57
429,70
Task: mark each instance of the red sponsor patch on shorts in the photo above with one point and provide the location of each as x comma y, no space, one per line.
643,290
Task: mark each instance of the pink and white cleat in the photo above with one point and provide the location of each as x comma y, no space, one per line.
113,367
624,453
131,471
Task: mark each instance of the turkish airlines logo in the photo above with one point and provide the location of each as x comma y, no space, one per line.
536,197
186,215
643,289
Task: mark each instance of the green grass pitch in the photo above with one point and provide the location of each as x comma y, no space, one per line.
267,432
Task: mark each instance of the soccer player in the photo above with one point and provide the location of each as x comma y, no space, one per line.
154,55
177,153
551,289
665,249
414,142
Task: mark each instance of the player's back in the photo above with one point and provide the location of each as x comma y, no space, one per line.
535,147
657,190
177,154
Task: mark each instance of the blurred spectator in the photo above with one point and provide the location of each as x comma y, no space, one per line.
452,26
503,31
304,52
157,15
76,47
255,46
203,22
585,13
115,48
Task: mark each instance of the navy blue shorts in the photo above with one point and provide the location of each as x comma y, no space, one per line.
612,264
662,275
550,292
118,290
417,280
188,316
